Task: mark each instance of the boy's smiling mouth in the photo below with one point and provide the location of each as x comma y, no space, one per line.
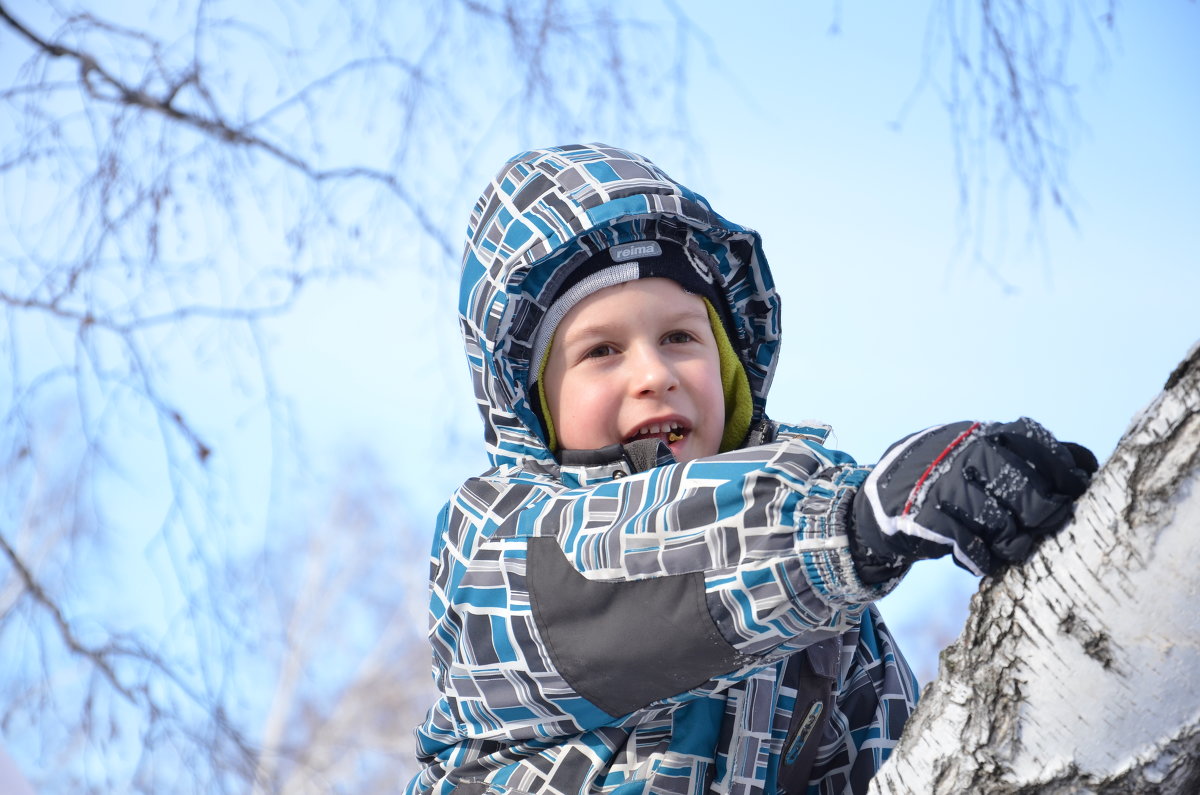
669,431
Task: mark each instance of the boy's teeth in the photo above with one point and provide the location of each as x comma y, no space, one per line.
673,430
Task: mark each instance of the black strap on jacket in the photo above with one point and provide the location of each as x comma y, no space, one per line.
812,673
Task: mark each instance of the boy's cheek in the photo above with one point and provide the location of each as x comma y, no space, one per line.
587,423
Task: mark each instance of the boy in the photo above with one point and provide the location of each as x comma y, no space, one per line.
657,589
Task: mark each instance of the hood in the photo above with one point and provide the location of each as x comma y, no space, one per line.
547,212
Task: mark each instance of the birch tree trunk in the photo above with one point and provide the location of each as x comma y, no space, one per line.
1080,671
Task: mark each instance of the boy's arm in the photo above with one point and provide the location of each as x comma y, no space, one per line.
572,608
557,610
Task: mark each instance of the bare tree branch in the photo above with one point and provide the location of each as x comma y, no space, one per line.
103,85
1004,71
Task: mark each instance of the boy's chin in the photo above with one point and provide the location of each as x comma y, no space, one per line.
689,449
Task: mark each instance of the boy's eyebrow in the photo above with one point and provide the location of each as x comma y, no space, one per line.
594,330
604,329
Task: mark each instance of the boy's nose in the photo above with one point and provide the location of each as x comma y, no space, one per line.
652,373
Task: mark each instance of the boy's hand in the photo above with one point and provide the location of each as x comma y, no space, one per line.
985,491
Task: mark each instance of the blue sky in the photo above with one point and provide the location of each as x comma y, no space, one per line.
891,321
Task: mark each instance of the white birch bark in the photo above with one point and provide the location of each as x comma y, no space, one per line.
1080,671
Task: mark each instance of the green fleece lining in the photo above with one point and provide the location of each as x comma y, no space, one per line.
735,386
739,405
551,440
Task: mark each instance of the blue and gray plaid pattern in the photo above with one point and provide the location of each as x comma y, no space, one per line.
762,530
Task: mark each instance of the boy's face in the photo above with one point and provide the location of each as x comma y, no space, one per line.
637,360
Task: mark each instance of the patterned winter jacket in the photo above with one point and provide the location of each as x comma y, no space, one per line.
681,629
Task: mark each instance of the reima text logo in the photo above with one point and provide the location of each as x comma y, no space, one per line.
642,248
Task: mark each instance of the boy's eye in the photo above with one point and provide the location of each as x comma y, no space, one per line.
599,351
678,337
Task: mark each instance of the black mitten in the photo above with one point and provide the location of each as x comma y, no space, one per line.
985,491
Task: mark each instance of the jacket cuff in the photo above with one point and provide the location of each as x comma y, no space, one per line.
826,540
